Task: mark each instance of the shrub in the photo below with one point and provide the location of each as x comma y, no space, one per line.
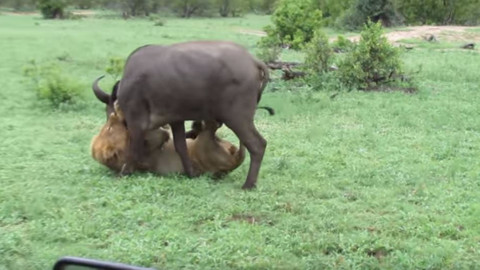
372,62
269,50
52,9
115,67
294,22
342,45
318,53
160,22
52,85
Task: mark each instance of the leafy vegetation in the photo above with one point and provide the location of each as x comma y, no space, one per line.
349,14
294,22
318,53
115,67
51,84
362,180
375,10
52,9
373,62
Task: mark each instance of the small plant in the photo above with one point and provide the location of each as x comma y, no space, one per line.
115,67
269,50
372,63
160,22
342,45
52,85
269,54
318,53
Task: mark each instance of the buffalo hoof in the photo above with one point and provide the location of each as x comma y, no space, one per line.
126,170
247,186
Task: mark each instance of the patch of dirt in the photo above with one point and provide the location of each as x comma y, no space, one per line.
250,219
246,218
84,12
443,33
257,33
378,253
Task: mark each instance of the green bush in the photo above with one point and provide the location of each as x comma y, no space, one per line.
269,50
160,22
318,53
372,62
52,9
294,22
52,85
342,44
115,67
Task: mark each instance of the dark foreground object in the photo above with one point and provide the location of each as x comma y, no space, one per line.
73,263
203,80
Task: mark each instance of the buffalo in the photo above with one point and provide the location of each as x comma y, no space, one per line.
211,81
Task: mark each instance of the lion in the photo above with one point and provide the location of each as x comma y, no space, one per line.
209,153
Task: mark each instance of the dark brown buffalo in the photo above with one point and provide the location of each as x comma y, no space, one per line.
203,80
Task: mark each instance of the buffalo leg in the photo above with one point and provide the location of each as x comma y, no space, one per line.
255,144
196,129
178,130
135,151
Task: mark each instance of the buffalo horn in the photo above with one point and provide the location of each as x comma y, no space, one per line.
102,96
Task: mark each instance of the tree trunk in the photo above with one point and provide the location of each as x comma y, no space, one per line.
224,8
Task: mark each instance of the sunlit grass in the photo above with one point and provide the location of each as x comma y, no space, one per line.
361,181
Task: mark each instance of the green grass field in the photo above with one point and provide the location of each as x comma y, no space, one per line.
362,181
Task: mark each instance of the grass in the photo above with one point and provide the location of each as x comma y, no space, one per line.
362,181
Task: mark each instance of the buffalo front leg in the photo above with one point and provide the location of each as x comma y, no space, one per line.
178,130
255,144
136,149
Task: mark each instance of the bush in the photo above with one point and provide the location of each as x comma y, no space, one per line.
269,50
115,67
52,9
52,85
342,45
294,22
372,62
160,22
318,53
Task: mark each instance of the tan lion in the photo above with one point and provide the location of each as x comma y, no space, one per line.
208,153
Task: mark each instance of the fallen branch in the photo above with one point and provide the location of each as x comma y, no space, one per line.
289,74
469,46
281,65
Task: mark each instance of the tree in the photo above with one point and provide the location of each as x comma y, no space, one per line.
84,4
136,7
333,9
439,11
231,7
187,8
376,10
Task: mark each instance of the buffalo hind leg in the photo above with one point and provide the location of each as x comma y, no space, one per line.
178,130
255,144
